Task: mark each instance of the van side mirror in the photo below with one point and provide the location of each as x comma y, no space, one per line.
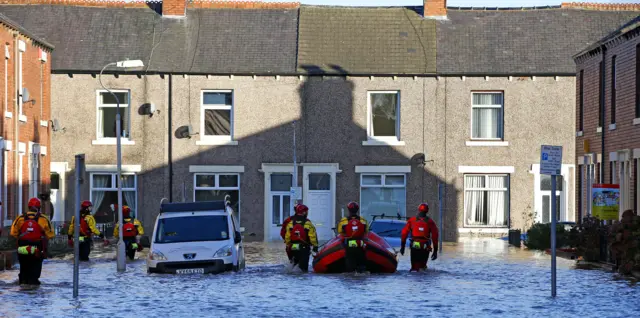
237,237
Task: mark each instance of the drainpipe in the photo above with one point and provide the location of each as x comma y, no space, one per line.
16,128
603,79
170,136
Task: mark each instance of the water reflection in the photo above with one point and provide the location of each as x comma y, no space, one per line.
480,278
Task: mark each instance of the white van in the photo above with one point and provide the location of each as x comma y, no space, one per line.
193,238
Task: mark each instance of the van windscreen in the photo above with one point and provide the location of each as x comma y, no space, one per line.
193,229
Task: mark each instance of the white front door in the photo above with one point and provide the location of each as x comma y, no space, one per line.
279,201
58,174
319,196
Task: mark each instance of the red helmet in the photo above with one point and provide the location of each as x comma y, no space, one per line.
34,204
126,211
423,208
302,209
85,205
353,207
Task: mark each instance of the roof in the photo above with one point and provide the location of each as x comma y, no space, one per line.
10,23
352,40
211,41
633,25
520,41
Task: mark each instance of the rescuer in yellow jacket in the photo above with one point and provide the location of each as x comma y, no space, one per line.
301,236
87,230
32,230
131,231
353,212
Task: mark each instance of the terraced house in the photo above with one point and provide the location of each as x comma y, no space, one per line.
25,73
386,104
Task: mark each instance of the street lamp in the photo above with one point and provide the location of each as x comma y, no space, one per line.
128,64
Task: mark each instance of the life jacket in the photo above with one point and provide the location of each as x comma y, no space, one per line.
421,233
129,229
85,229
354,232
298,233
31,230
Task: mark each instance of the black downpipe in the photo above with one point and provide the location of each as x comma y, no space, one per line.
603,100
170,135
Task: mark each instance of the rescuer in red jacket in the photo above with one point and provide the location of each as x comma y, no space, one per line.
423,232
283,231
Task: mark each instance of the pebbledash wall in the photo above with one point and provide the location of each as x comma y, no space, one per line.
608,66
331,129
24,124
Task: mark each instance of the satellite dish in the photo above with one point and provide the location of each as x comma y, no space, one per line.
25,94
418,159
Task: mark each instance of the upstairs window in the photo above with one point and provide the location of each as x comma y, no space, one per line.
384,115
487,116
216,117
107,110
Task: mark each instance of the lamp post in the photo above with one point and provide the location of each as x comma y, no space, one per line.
128,64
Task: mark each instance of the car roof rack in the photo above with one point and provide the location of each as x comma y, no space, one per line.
195,206
392,217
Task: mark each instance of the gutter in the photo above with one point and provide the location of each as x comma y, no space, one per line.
16,128
603,100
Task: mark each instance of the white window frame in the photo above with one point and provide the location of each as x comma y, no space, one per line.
473,106
507,190
114,186
623,164
124,107
216,140
383,140
7,113
217,182
383,185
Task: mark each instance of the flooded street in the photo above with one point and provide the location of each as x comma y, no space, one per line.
479,278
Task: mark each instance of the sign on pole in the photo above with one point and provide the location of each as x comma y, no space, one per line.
551,160
606,201
296,193
551,164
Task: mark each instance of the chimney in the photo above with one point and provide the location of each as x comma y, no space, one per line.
174,8
435,8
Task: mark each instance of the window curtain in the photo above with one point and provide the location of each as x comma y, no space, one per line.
487,122
497,201
474,205
130,196
99,181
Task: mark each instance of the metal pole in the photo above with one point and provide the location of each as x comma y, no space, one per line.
121,265
76,226
295,167
554,206
440,199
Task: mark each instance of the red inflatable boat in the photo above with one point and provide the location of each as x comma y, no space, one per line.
381,257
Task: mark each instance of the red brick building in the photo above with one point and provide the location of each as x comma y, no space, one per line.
25,128
608,116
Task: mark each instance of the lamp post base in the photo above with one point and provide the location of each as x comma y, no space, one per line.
120,254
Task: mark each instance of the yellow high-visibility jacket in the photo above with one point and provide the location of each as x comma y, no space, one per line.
311,231
344,222
43,221
90,221
137,223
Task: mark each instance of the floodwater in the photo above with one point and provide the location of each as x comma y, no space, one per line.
473,278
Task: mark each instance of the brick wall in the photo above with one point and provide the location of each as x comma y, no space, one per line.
620,131
33,125
435,8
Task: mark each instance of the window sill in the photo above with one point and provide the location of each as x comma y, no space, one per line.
490,230
375,142
112,142
8,114
216,142
22,118
599,129
636,121
478,143
44,123
612,127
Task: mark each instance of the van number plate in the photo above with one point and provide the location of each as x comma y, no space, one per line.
190,271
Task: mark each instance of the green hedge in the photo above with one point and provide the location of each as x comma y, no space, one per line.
539,237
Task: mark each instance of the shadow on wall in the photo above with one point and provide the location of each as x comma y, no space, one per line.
329,129
10,209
